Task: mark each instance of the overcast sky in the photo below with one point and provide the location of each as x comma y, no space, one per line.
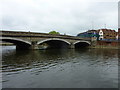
65,16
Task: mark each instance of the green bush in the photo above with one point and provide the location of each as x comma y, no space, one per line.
53,32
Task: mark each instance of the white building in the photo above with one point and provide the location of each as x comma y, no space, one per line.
101,35
117,37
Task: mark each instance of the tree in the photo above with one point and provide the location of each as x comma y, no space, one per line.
53,32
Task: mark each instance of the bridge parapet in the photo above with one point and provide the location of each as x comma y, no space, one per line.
34,34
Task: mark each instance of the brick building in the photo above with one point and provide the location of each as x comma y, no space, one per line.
119,34
107,34
101,34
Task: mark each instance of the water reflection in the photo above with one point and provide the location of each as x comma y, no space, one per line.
65,67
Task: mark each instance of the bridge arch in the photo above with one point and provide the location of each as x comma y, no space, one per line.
55,43
42,41
81,44
20,43
81,41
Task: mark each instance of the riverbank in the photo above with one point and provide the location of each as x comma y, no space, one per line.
6,44
104,47
106,44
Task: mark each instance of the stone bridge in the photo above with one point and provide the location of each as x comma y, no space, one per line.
32,40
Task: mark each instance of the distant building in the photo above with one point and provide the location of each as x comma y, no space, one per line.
93,34
119,34
101,34
107,34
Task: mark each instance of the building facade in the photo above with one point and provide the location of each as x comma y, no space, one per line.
93,34
107,34
101,34
119,34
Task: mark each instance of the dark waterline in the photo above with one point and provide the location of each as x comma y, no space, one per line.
59,68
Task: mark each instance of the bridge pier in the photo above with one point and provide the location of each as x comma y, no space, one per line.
72,46
34,45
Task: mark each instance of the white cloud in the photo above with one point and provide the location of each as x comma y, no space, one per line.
65,16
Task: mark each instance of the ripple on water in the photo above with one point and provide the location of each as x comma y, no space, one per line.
91,68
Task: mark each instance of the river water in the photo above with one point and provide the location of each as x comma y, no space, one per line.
65,68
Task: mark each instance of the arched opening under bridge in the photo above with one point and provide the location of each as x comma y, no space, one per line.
54,44
82,44
19,43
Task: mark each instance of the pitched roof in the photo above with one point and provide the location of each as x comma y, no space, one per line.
107,30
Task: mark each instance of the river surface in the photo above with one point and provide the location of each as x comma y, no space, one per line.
65,68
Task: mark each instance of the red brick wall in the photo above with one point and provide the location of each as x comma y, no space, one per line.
106,43
119,33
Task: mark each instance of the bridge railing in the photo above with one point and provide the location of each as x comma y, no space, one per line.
34,34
